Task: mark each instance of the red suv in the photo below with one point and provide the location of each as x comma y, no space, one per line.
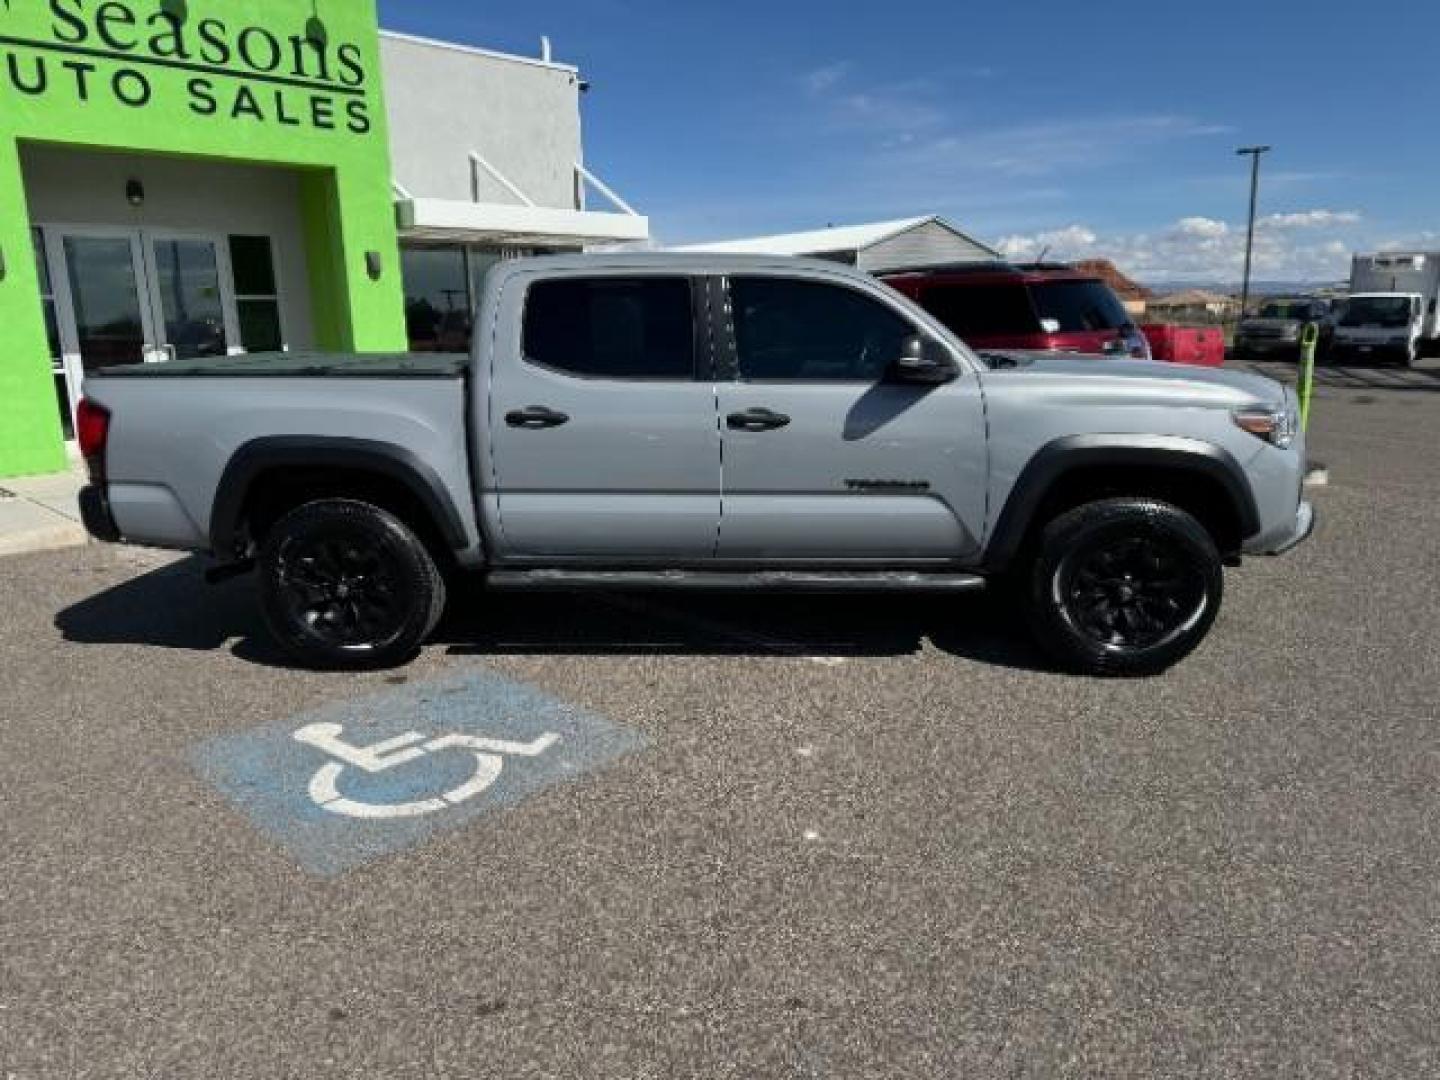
995,305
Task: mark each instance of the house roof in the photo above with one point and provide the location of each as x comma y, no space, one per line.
1108,272
815,241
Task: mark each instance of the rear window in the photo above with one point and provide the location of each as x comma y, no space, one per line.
1079,306
981,310
612,328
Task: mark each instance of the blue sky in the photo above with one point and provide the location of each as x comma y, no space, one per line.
1093,129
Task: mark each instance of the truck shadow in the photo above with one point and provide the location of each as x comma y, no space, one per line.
173,608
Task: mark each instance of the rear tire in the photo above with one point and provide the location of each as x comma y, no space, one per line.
345,585
1124,587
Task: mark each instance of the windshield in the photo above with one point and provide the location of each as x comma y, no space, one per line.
1079,306
1288,309
1377,311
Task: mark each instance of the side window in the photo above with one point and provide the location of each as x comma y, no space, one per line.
612,327
981,310
787,330
257,296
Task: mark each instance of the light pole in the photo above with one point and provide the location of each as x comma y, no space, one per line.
1254,153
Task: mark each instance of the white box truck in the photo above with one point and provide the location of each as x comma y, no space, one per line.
1393,308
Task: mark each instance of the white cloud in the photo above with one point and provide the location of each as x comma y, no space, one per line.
1424,240
1311,219
1201,226
821,79
1193,249
1046,149
1071,242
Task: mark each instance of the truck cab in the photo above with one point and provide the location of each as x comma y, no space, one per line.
1381,326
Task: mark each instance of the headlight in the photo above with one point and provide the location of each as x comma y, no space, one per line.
1277,425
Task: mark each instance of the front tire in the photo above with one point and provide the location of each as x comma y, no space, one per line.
345,585
1124,587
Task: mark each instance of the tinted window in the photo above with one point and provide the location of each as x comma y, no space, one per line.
437,299
982,310
806,330
253,265
1079,306
257,298
612,328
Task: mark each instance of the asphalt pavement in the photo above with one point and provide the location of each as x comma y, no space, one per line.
773,838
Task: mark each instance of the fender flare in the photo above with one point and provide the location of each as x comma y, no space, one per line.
321,452
1055,459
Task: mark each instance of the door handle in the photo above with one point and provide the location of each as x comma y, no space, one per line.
536,417
757,420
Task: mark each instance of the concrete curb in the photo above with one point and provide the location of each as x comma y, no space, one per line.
39,513
59,537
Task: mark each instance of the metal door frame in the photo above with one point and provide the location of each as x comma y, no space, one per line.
71,363
229,309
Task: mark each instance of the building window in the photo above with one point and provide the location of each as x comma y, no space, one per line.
52,333
443,284
257,295
437,299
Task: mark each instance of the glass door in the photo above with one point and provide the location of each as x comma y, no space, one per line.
193,307
96,306
125,296
99,280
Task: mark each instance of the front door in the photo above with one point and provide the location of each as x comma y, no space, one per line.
824,459
603,438
102,298
124,296
193,311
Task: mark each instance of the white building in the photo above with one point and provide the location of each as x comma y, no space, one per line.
874,248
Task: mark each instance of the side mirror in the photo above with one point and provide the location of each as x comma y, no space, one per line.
923,361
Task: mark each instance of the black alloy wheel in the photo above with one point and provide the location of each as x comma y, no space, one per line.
345,584
1132,592
1124,587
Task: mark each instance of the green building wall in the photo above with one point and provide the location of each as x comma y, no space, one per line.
290,83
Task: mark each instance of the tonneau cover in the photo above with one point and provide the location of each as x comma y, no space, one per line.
301,365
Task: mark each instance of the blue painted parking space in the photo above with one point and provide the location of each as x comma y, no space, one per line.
359,780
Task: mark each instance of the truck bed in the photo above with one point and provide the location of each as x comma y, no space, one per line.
308,365
177,427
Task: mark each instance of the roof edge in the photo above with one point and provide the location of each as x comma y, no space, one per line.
475,50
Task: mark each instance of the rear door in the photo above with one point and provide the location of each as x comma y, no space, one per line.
825,460
605,445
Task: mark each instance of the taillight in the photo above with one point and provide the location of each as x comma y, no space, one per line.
92,430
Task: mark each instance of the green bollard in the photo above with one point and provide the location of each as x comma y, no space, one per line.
1309,345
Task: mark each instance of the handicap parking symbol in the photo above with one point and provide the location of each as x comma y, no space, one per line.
359,780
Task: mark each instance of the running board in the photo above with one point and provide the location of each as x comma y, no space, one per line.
798,581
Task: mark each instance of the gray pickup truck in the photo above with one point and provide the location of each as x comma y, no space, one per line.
687,421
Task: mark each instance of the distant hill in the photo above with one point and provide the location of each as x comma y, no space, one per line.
1257,288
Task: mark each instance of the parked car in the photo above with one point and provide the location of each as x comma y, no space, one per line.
698,421
1049,307
1276,328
